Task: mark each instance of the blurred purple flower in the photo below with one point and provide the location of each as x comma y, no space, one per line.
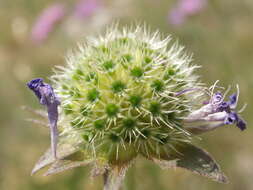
184,9
176,17
190,7
85,8
46,22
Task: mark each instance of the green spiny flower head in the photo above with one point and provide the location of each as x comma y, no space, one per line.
131,93
119,93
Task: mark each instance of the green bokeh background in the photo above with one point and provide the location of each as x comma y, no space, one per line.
221,39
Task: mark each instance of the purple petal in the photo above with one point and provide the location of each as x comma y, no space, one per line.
217,97
34,84
233,100
224,106
241,124
231,118
47,97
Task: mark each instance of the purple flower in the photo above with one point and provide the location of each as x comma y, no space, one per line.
190,7
47,97
46,22
85,8
215,113
184,9
176,17
231,117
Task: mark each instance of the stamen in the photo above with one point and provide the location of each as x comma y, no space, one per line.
216,99
226,92
243,108
213,87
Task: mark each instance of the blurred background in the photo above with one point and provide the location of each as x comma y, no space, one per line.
36,35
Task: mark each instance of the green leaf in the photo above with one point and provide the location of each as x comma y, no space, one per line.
195,160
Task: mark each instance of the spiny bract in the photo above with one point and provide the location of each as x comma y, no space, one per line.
119,93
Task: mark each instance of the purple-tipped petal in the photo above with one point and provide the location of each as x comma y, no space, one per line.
217,98
233,101
224,106
233,98
231,118
34,84
47,97
241,124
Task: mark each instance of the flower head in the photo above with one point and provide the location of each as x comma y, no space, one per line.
128,94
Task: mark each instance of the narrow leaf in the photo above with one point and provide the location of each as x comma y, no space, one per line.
196,160
63,150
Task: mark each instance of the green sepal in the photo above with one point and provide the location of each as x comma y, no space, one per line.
63,150
63,165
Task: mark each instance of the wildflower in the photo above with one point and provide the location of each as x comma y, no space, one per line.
184,9
85,8
46,22
46,96
216,112
176,17
128,94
